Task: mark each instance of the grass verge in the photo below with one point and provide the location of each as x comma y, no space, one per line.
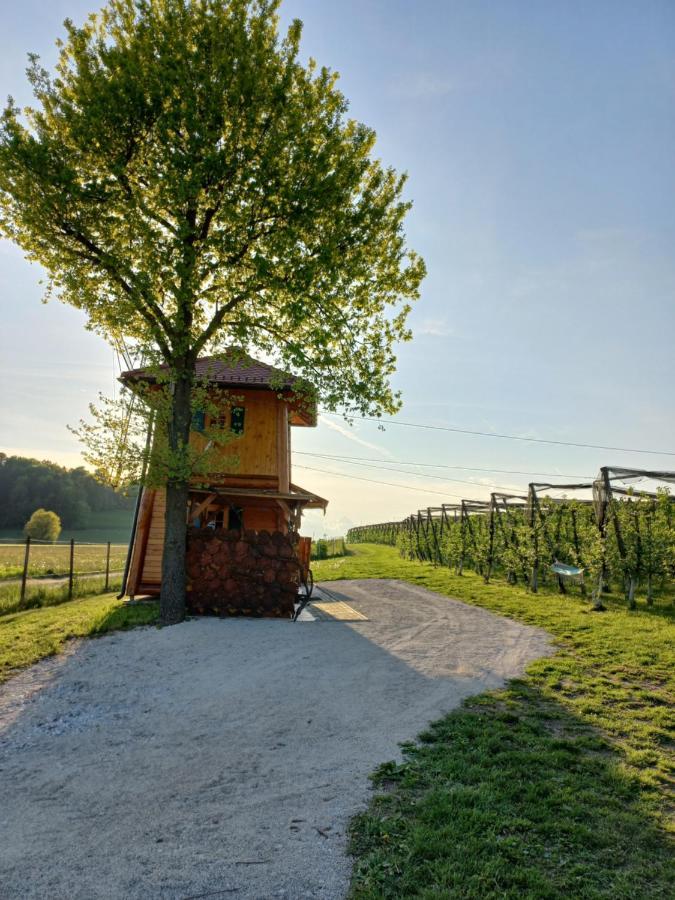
26,637
558,786
49,594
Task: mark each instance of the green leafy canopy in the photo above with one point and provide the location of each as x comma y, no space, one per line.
190,185
43,525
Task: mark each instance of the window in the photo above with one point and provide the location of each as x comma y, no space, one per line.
236,518
237,420
198,420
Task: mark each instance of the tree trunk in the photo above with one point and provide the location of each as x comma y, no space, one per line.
598,605
172,595
631,592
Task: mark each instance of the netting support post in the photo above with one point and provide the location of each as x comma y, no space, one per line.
462,533
70,571
491,544
107,567
24,574
532,502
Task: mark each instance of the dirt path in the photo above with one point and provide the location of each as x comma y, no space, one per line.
226,757
58,580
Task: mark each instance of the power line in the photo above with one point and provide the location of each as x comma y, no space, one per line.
510,437
399,462
421,474
408,487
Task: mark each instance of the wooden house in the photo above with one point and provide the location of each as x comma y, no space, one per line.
250,489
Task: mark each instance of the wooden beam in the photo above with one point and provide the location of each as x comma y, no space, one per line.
195,514
141,541
283,456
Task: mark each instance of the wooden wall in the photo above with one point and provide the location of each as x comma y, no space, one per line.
256,451
145,571
259,458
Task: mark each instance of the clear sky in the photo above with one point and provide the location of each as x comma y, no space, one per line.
539,138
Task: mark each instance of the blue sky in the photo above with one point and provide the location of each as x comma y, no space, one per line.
539,139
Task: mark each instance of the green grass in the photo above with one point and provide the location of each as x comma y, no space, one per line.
54,559
49,594
559,786
26,637
102,526
328,548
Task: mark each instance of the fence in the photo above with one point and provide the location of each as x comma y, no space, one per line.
381,533
64,565
327,548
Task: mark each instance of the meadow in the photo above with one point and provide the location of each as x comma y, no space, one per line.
101,526
54,559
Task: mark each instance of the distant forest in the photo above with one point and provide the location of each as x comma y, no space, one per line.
73,494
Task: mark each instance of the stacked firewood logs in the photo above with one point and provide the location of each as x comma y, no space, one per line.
242,573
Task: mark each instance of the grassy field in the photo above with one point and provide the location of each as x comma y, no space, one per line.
558,786
108,525
26,637
48,593
54,559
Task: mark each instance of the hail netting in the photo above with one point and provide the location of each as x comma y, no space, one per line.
618,529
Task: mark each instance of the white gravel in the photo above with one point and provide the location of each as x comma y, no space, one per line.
225,757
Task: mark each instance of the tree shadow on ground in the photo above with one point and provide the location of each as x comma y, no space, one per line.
510,797
124,617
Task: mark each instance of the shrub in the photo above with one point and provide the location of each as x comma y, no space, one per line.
43,525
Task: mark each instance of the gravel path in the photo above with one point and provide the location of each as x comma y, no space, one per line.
225,757
58,580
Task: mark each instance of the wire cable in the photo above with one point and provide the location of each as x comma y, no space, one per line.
408,487
399,462
426,475
510,437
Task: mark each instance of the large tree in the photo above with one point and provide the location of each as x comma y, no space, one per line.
190,185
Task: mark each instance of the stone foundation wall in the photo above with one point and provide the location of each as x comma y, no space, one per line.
235,573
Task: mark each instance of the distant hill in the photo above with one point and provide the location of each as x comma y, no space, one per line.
82,503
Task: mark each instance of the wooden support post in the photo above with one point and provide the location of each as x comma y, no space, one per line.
491,544
72,565
462,524
142,533
283,448
532,502
107,567
437,550
604,514
577,548
196,513
25,572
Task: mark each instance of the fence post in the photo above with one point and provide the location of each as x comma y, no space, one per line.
70,574
107,567
25,571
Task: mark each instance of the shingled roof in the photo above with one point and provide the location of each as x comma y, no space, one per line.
247,371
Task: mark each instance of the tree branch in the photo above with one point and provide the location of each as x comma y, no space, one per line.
152,314
218,319
125,184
